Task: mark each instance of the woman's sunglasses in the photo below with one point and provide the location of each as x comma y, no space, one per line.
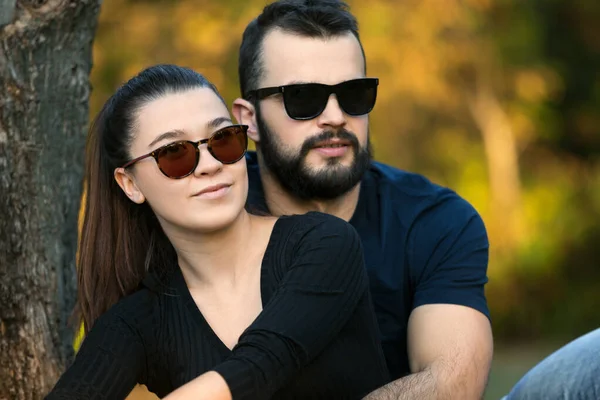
308,100
179,159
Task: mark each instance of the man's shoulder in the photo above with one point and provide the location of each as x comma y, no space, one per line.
408,188
400,179
412,197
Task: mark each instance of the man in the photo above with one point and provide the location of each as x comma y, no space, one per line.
426,248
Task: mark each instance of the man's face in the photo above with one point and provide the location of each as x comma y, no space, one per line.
324,157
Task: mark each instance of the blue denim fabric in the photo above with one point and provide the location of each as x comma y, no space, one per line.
570,373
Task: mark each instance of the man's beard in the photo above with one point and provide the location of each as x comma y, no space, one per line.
298,179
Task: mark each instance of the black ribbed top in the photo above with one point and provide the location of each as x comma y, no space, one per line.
316,337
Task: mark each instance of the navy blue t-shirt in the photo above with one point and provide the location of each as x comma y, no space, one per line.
423,244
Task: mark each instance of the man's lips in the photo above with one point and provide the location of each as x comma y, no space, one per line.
332,147
332,143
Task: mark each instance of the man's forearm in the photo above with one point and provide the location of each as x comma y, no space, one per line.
431,384
421,385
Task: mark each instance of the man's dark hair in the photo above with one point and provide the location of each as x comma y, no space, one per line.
309,18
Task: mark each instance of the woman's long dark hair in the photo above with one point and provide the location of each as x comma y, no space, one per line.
120,239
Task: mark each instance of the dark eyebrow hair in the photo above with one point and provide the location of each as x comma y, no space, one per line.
210,125
297,82
167,135
215,123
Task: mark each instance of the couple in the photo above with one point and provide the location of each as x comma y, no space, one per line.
182,289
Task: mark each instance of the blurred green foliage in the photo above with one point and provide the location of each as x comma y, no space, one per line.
497,99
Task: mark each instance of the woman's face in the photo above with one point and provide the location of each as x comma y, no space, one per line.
191,203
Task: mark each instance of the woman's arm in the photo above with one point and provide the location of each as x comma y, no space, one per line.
109,363
318,294
208,386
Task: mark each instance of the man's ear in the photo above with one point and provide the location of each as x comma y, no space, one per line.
245,114
128,185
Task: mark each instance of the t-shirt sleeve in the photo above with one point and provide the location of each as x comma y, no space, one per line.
448,255
318,293
108,365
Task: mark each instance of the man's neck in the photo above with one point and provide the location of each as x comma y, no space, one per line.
280,202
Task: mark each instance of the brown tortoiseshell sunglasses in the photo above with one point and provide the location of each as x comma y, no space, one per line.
179,159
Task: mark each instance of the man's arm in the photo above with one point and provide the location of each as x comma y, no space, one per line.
449,340
450,351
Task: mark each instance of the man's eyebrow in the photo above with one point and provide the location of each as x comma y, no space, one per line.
167,135
298,83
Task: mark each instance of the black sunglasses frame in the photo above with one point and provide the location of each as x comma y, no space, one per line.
260,94
155,153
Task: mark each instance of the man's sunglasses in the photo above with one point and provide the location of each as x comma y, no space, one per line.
308,100
179,159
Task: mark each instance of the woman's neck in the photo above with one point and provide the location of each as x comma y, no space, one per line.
218,258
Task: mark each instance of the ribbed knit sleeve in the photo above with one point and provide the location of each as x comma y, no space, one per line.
111,360
319,291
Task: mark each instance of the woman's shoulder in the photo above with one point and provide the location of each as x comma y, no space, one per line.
312,226
134,310
312,219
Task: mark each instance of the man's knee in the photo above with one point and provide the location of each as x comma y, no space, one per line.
572,372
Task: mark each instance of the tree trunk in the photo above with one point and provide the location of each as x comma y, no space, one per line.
45,61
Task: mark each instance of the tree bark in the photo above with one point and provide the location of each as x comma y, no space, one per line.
45,61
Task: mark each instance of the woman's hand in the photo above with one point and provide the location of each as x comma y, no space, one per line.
208,386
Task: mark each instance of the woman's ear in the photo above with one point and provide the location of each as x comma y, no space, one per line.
127,183
245,114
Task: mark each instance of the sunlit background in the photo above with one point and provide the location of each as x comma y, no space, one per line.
497,99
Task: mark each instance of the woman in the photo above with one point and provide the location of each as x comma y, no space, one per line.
181,289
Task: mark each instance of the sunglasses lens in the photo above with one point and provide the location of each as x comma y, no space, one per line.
229,144
357,97
305,101
178,159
